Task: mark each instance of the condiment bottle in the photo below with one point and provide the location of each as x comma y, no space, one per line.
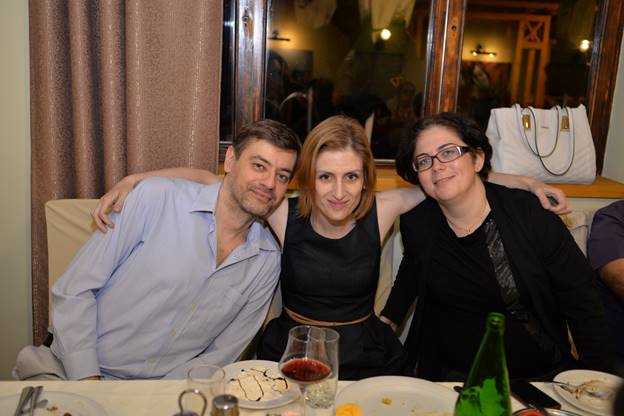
486,390
224,405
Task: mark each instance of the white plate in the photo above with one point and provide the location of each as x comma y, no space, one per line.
71,403
589,404
394,395
235,369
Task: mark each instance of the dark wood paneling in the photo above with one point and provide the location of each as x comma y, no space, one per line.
603,72
249,64
444,41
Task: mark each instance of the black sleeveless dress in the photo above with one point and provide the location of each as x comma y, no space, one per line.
335,280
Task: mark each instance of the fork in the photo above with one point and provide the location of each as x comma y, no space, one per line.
584,389
40,404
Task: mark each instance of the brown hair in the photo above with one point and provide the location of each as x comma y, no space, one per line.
335,133
274,132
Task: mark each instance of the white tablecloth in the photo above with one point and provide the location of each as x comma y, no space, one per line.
159,398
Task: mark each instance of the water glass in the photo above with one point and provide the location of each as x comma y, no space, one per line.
208,379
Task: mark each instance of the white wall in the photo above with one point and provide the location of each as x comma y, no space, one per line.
614,153
15,301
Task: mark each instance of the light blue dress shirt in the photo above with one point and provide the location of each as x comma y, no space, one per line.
147,300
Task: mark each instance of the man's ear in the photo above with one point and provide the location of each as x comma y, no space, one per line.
230,159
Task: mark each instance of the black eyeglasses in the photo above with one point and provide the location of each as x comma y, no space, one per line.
448,154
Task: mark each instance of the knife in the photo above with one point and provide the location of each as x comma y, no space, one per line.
33,399
26,394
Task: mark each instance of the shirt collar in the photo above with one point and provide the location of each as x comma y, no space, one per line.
259,236
207,198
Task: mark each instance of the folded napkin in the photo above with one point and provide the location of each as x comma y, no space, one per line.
38,363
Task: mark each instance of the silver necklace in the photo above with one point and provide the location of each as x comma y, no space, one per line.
472,226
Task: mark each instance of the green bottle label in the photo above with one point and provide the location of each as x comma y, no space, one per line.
484,400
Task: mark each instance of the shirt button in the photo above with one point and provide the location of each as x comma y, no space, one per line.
173,333
151,360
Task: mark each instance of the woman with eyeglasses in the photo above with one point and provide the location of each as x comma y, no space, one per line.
474,247
331,235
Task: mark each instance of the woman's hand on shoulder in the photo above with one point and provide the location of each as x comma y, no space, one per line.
553,199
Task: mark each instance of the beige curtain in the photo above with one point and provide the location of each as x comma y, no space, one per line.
117,86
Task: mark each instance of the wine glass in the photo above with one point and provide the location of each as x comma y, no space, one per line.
311,361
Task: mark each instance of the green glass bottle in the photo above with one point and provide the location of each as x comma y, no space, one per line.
486,390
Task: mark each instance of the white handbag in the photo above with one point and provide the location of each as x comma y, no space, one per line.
552,145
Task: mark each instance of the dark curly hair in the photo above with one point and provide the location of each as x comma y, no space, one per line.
463,126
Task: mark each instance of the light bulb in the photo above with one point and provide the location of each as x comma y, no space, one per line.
584,45
385,34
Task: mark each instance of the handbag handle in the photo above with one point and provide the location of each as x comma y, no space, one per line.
536,151
521,112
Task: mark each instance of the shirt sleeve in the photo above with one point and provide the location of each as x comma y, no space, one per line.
232,341
74,295
606,240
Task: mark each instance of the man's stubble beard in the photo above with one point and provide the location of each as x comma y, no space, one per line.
243,199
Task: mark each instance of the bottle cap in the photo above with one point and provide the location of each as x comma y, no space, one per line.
224,405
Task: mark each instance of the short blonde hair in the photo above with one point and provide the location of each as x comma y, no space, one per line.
335,133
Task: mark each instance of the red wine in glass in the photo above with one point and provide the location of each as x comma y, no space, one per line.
310,360
305,370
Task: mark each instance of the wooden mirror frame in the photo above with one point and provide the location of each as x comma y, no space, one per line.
445,33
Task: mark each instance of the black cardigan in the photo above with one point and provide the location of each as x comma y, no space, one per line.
542,254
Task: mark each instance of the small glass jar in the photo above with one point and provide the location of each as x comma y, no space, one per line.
224,405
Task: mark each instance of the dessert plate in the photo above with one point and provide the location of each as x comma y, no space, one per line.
258,384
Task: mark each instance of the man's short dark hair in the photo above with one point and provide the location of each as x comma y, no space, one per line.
466,128
274,132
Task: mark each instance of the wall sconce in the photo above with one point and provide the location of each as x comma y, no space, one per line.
378,35
481,51
275,36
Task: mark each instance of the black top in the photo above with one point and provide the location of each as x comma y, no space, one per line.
456,287
330,279
335,280
461,296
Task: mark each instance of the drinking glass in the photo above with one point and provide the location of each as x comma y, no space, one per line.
208,379
311,361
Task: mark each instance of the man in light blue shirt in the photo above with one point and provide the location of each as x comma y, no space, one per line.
186,275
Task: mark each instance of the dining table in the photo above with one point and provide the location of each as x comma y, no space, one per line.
160,397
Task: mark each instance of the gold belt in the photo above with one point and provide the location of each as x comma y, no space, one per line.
307,321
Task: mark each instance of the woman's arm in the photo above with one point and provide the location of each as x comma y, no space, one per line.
406,284
551,198
116,196
394,202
